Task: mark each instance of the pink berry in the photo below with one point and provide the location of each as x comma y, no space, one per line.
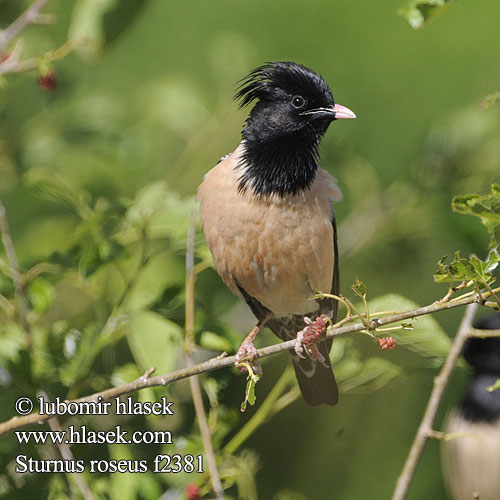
387,343
48,82
192,492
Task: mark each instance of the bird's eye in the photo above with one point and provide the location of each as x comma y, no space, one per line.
298,101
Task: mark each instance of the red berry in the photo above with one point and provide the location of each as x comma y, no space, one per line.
193,492
387,343
48,82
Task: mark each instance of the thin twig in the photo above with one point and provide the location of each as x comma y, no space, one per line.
29,16
16,275
66,454
483,333
13,64
425,431
497,300
194,382
448,436
218,362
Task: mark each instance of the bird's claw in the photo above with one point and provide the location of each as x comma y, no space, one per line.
248,353
299,342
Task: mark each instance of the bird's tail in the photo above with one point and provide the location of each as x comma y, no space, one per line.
316,380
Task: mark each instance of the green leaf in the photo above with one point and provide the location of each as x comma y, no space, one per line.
12,341
215,342
420,12
252,380
242,469
461,269
486,207
354,373
494,387
154,341
124,374
163,211
59,190
41,294
123,486
484,268
458,270
87,26
359,288
371,374
96,254
160,273
427,338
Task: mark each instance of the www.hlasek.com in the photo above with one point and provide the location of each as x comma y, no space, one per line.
82,435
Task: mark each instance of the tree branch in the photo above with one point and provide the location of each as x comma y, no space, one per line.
16,275
29,16
425,431
223,361
13,64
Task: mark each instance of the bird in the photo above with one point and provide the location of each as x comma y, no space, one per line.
268,219
471,461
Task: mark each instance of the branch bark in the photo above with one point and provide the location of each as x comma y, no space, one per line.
425,431
223,361
13,64
29,16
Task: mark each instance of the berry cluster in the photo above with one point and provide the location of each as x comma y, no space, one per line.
308,336
315,329
386,343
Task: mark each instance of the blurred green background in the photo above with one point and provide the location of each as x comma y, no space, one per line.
151,101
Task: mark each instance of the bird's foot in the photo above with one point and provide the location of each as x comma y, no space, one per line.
247,353
309,336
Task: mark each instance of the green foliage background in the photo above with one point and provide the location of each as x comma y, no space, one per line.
117,152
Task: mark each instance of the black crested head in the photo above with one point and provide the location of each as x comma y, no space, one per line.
479,404
294,108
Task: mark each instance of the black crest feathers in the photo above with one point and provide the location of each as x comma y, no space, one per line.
269,81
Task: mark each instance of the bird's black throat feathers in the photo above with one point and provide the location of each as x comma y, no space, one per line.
280,142
282,166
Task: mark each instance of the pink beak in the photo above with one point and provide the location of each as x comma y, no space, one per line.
341,112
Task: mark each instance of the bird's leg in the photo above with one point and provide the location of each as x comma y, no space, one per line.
309,336
247,350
